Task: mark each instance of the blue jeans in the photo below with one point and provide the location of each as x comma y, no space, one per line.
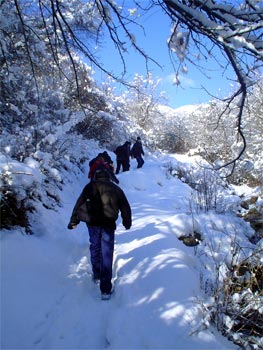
101,255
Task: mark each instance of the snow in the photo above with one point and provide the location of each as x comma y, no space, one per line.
184,110
50,302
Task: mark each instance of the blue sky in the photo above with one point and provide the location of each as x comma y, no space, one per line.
154,43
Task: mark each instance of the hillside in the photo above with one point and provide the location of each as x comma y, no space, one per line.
50,302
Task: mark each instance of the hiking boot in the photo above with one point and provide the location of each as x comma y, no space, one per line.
105,296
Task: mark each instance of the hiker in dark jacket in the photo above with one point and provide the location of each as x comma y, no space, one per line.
137,152
108,159
102,226
123,154
102,160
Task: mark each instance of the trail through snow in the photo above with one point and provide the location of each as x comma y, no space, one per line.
50,302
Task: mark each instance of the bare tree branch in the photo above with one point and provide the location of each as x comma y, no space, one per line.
235,29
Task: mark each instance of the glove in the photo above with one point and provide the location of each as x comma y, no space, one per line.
71,226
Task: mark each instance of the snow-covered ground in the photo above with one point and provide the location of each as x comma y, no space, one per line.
48,300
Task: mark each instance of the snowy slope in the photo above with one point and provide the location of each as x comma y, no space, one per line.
49,301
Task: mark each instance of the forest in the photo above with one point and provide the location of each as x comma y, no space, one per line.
51,104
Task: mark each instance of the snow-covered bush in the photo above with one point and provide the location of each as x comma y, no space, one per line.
234,286
212,128
38,179
208,188
237,309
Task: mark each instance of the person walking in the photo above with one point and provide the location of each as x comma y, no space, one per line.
108,159
105,200
123,154
102,160
137,152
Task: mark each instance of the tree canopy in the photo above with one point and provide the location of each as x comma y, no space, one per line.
41,32
235,27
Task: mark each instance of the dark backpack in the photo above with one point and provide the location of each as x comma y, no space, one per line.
91,211
103,171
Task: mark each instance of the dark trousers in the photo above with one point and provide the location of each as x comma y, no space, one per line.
140,161
122,163
101,256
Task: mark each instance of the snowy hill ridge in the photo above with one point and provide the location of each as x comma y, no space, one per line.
184,110
50,302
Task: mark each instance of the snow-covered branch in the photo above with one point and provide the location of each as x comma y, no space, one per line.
235,28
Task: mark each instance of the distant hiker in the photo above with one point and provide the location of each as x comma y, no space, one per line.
102,160
102,200
137,152
108,159
123,154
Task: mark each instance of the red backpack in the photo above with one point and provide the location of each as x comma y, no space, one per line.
98,164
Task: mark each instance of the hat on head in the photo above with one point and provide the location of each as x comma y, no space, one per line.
138,138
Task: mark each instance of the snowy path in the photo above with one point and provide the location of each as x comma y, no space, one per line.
49,301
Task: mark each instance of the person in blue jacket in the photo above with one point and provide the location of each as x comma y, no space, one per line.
137,152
